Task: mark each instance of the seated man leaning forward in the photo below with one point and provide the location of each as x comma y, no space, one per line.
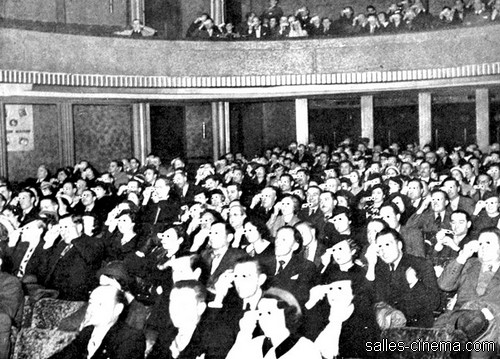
105,334
405,285
477,282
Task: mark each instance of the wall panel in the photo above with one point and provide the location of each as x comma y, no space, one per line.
102,133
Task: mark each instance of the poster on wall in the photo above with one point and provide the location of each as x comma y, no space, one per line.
19,125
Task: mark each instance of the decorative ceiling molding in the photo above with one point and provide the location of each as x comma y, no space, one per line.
200,82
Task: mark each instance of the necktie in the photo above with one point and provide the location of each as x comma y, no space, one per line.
157,215
393,267
66,249
280,268
266,346
437,221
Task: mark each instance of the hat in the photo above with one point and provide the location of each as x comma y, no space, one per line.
373,176
489,194
341,210
459,170
118,271
331,237
392,168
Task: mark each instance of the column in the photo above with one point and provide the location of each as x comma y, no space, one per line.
3,142
67,138
141,130
302,120
424,118
482,119
220,128
367,119
217,11
137,10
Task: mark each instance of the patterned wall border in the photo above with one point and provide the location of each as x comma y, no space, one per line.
123,81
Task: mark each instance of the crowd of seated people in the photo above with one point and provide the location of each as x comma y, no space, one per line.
304,251
399,17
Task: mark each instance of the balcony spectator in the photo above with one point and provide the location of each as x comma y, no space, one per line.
245,27
274,27
230,32
196,25
478,16
138,30
257,30
383,22
343,25
274,10
326,27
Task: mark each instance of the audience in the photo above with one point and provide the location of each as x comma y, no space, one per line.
353,240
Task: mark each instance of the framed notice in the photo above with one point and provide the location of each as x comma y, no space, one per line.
19,125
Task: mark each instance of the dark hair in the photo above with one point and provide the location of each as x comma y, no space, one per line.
396,235
461,211
261,226
289,304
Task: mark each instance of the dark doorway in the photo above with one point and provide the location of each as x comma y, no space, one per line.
330,126
494,122
233,11
165,17
167,131
453,124
395,124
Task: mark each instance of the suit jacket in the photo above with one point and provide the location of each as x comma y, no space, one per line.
74,274
315,218
425,222
297,277
466,204
163,212
463,278
264,32
227,262
11,297
36,265
121,342
417,303
320,250
189,196
413,241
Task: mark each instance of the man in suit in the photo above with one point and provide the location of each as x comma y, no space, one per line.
263,203
431,219
402,281
185,190
457,201
73,262
26,259
160,204
104,334
288,269
312,249
413,239
27,205
236,294
311,213
477,282
220,257
11,300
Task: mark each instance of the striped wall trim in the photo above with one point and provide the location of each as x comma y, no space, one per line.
122,81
